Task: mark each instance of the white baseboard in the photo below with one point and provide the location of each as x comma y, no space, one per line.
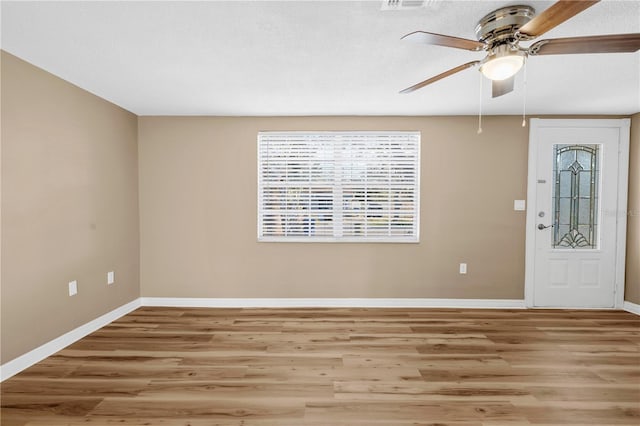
332,303
22,362
631,307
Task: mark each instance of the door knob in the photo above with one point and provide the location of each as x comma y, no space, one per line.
541,226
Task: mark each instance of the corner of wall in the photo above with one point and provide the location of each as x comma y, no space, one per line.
69,195
632,275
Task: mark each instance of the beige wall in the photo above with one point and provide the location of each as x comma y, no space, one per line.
70,211
69,206
632,290
198,214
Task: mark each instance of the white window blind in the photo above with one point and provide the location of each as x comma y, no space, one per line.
338,186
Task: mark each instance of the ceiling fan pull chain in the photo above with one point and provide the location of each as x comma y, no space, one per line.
480,106
524,94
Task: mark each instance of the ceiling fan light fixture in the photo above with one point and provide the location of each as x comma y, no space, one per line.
502,63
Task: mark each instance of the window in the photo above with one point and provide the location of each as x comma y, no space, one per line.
575,196
338,186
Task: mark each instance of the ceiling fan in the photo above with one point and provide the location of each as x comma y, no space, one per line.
500,32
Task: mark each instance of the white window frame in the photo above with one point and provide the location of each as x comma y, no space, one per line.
339,140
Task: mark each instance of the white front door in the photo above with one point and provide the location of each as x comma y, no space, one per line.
577,200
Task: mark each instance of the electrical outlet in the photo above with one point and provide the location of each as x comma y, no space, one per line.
463,268
110,277
73,288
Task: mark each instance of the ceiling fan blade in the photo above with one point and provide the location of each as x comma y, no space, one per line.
553,16
591,44
443,40
440,76
502,87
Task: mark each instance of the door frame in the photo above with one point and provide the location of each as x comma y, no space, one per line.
623,126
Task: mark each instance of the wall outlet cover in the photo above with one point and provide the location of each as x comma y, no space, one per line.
110,277
519,205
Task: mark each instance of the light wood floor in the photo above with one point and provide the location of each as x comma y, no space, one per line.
159,366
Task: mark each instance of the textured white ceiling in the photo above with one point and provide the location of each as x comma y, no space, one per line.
308,57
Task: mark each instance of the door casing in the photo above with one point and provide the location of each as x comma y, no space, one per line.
621,208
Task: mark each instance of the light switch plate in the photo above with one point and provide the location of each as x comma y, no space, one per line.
463,268
519,205
73,288
110,277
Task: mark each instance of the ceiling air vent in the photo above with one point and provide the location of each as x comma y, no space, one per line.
406,4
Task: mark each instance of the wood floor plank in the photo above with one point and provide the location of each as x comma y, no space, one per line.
132,370
73,387
436,412
429,391
512,374
208,408
339,367
25,407
587,414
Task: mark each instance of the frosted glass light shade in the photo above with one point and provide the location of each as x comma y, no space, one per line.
502,67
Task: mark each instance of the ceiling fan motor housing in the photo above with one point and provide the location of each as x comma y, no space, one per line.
500,26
